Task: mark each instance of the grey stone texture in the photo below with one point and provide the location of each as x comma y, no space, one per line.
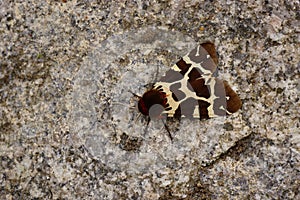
69,126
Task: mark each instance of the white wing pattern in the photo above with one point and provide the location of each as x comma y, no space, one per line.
190,89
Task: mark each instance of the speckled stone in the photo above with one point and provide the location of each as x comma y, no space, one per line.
69,128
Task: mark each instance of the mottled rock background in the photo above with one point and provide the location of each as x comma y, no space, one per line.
69,129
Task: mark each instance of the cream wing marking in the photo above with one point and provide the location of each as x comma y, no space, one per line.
209,82
192,90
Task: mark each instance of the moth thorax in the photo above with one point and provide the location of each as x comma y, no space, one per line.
153,103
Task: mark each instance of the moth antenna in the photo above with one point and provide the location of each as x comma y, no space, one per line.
138,96
125,104
120,103
156,75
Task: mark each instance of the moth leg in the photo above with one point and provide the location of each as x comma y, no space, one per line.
168,130
147,125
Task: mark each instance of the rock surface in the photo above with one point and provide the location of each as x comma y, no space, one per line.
69,127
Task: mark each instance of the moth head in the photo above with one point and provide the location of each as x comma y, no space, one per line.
153,103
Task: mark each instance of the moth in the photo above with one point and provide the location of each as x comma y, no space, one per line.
191,89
